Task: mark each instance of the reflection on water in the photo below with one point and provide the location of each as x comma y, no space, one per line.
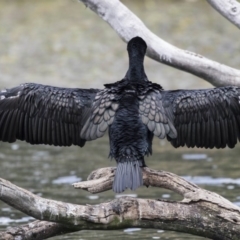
5,221
67,179
194,156
207,180
64,44
49,172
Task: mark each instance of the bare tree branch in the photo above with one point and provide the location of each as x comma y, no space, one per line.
101,180
229,9
36,230
128,25
201,212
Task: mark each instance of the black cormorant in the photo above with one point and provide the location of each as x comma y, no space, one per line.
133,109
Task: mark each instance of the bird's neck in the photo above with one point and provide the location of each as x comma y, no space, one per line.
136,69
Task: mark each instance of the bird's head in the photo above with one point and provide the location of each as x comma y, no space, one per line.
137,46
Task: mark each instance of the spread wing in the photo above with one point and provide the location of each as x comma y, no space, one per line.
44,114
204,118
104,108
154,116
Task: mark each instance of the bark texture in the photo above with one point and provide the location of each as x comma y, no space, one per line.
230,9
127,25
200,213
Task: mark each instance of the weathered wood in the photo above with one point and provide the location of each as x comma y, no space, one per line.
36,230
229,9
201,212
128,25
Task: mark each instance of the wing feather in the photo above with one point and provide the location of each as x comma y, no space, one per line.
44,114
204,118
104,108
154,116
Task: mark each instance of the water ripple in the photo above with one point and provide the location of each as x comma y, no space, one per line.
208,180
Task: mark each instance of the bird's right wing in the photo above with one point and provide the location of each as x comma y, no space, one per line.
102,115
44,114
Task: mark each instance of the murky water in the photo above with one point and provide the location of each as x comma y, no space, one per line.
62,43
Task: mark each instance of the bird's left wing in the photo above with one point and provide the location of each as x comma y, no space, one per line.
42,114
204,118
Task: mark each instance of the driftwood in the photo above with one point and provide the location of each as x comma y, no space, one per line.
200,212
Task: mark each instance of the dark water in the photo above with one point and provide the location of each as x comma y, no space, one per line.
62,43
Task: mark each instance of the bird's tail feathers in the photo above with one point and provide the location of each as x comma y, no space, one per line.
128,175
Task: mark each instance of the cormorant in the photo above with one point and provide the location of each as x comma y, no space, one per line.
133,109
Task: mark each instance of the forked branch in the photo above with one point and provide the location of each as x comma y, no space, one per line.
201,212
